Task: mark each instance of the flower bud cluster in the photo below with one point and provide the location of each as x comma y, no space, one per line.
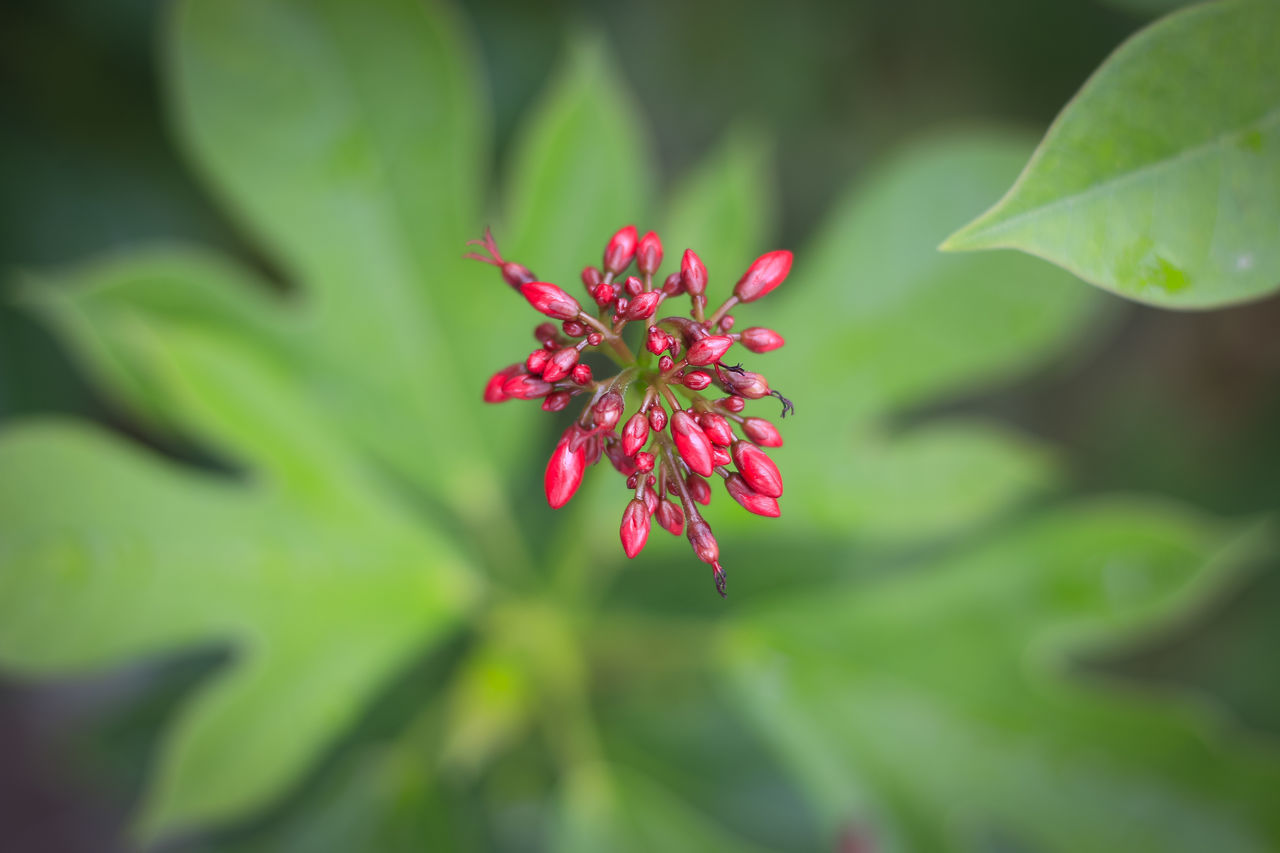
676,437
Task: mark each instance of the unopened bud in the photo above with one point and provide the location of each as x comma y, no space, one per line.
556,401
674,285
573,328
708,350
633,286
608,410
693,273
757,469
649,254
643,306
692,442
635,434
591,277
564,470
621,249
767,272
658,418
716,428
656,342
526,387
753,386
759,339
493,392
698,489
671,517
581,374
750,499
635,527
762,432
696,380
703,542
550,300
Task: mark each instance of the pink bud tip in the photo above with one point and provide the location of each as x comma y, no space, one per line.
692,442
550,300
493,389
649,254
656,341
698,489
658,418
708,350
671,517
716,428
768,271
565,468
703,542
608,410
525,387
635,527
693,273
635,434
750,499
759,339
559,365
762,432
643,306
696,380
621,249
757,469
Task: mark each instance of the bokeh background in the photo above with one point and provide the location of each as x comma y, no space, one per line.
1185,406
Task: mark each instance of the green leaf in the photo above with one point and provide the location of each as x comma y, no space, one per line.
725,208
876,321
612,808
350,140
944,689
111,554
1160,180
580,171
103,312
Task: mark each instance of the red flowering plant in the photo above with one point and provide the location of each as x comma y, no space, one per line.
669,478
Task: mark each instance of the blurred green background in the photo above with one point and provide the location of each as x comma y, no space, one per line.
1124,400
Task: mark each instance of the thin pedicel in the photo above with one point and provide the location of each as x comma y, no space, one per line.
667,479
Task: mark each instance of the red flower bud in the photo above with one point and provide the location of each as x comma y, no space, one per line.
559,365
493,392
556,401
666,363
649,495
643,306
716,428
591,277
608,410
709,349
656,341
692,442
537,360
658,418
633,286
696,380
753,386
757,469
621,249
703,542
764,275
625,464
698,489
525,387
550,300
547,333
635,434
516,274
671,517
674,285
750,499
758,339
733,404
649,254
693,273
603,294
595,339
635,527
762,432
581,373
726,323
644,462
573,328
564,470
719,456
